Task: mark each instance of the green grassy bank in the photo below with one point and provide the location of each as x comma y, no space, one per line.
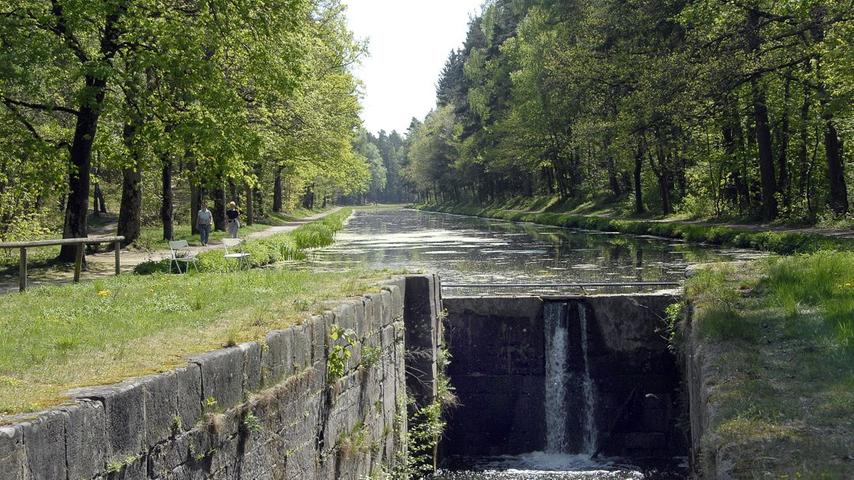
776,338
65,336
783,242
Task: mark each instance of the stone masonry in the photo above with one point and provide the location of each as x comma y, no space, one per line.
260,410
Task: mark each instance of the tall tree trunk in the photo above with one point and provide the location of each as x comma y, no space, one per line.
835,168
77,205
277,192
803,147
98,204
763,129
197,194
85,128
639,207
838,199
613,181
782,138
250,206
233,195
219,205
766,156
167,203
131,206
130,210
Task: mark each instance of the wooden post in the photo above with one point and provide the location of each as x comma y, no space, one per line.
118,247
78,262
23,280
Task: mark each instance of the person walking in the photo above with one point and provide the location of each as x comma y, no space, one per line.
232,222
204,219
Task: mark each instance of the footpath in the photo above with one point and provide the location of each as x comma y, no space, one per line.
102,264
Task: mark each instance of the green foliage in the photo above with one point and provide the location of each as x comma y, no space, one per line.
340,351
251,424
702,108
231,96
370,356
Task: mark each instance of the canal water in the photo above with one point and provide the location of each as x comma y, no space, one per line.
469,250
496,253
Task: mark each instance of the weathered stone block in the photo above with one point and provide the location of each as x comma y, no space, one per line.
222,376
345,315
277,359
301,347
361,325
13,456
420,314
372,320
188,390
124,407
45,443
397,288
251,366
386,311
318,339
161,407
85,439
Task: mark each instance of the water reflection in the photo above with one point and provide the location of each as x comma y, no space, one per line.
473,250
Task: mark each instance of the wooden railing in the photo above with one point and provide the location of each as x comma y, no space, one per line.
78,254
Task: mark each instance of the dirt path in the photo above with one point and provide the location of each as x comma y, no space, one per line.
101,264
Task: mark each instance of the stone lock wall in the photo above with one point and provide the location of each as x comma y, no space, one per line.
260,410
498,371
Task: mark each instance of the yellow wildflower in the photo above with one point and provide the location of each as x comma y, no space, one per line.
104,293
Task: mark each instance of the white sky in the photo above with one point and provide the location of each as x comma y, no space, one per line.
409,41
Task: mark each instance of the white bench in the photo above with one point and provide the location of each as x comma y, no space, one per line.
241,257
181,253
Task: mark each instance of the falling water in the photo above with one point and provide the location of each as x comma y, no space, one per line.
587,388
556,377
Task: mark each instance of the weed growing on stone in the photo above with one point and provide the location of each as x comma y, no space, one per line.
342,342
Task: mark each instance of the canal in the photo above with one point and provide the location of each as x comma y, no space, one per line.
495,254
470,250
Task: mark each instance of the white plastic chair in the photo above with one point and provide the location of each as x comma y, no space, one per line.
241,257
181,253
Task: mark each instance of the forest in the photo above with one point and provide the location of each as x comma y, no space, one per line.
712,108
141,109
145,108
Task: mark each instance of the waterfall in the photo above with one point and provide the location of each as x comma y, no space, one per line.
587,388
556,377
559,378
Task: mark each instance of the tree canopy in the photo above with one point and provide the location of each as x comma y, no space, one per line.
707,107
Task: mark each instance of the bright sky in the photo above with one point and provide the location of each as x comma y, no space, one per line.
409,41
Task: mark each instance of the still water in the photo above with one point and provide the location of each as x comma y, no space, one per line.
468,250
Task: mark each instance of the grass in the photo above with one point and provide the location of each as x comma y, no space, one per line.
151,237
59,337
783,242
782,335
